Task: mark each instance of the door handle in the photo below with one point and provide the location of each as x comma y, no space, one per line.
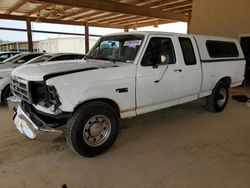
177,70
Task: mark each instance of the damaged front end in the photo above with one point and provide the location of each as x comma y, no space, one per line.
26,121
36,107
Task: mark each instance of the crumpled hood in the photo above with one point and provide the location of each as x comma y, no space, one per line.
37,72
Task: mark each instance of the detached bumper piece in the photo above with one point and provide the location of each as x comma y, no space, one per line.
27,122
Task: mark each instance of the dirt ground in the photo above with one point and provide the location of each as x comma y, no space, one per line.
181,147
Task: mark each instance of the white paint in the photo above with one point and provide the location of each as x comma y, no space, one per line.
144,94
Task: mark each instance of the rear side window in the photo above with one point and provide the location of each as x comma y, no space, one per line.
187,51
63,57
220,49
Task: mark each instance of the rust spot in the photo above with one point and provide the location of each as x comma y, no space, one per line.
128,110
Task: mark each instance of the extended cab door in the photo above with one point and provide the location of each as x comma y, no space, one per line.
191,69
158,80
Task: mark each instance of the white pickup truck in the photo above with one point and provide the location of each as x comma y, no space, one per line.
125,75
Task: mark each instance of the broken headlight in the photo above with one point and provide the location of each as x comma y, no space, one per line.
45,95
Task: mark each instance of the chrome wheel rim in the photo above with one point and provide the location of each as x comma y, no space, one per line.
97,130
222,96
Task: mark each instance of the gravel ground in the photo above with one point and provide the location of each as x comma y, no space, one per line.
183,146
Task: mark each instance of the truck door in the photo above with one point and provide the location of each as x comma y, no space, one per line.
191,70
158,80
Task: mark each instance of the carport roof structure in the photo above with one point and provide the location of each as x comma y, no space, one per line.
124,14
121,14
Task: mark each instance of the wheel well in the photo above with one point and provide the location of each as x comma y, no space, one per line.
227,80
4,89
108,101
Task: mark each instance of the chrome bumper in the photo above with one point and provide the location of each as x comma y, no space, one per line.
28,123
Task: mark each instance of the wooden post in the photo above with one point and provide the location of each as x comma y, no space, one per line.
29,35
188,23
86,38
126,29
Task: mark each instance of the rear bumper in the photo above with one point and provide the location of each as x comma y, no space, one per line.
27,122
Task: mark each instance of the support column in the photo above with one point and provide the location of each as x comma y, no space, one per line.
188,24
29,35
125,29
86,38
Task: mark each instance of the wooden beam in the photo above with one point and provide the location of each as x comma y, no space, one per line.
158,4
145,24
73,13
16,6
91,13
38,9
135,22
110,6
29,35
126,29
177,5
101,16
131,20
120,19
116,17
56,21
94,17
48,32
86,38
183,9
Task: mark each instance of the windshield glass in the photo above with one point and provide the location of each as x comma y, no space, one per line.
13,58
39,59
122,48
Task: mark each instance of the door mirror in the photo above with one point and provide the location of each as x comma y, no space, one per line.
147,61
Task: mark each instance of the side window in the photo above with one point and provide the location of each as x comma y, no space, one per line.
63,57
27,58
159,51
221,49
3,57
187,51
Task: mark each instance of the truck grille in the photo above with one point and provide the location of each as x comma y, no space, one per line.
20,87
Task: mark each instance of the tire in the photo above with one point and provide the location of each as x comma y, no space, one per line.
92,129
219,98
6,93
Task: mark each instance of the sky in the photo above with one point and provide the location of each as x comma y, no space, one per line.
178,27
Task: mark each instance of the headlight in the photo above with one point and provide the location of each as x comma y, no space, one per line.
45,95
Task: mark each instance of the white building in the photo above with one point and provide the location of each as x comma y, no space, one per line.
74,44
71,44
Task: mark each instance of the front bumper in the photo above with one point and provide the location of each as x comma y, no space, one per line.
27,122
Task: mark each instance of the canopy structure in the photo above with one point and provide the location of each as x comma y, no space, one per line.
123,14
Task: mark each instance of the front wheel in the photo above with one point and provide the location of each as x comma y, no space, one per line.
219,98
92,129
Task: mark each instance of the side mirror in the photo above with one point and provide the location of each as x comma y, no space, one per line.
21,61
147,61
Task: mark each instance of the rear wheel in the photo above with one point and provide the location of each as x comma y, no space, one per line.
6,93
219,98
92,129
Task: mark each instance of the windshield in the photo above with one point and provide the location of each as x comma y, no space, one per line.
39,59
13,58
122,48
